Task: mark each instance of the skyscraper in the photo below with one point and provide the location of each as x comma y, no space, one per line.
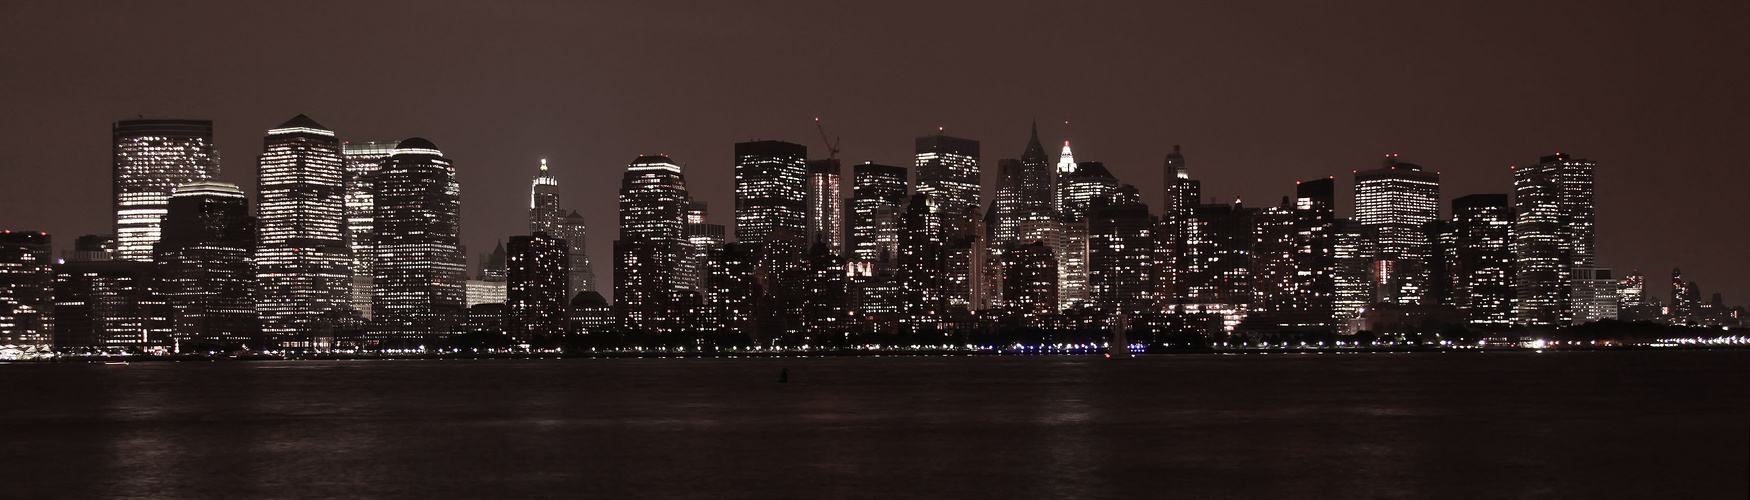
1484,285
921,263
826,209
363,159
1352,255
1080,188
1397,200
419,267
1314,214
536,295
209,280
1179,196
26,289
948,172
771,189
705,239
653,211
575,233
878,195
1121,253
546,215
302,261
152,157
1030,279
1025,208
1557,280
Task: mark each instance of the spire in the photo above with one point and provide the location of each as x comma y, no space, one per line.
1035,153
1066,161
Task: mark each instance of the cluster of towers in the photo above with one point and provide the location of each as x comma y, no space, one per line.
358,243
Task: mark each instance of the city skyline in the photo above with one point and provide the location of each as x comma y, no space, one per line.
1244,127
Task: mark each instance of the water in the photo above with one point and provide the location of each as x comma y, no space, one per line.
1624,424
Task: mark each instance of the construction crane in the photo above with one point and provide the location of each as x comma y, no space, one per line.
832,145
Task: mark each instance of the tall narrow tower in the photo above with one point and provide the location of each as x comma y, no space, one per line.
948,172
303,266
420,267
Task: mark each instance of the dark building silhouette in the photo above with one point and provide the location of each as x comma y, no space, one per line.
732,290
207,275
110,306
591,313
1315,207
151,158
1030,279
420,269
1483,284
538,269
1121,253
1218,260
771,189
303,265
27,280
921,263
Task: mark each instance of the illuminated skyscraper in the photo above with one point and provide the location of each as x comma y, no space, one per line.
546,215
948,172
536,295
771,189
1314,214
363,159
302,261
704,238
419,267
653,239
152,157
204,255
921,263
1179,195
826,207
1218,256
1557,280
1066,164
1352,255
1121,253
1484,275
1089,182
878,196
1025,208
1397,200
26,289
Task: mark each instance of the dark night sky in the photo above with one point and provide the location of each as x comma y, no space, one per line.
1259,95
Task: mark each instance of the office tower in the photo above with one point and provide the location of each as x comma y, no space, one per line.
732,289
771,189
363,160
1066,164
826,209
1397,200
27,278
965,282
301,258
826,294
110,306
1352,256
1179,195
878,195
1315,209
1273,253
545,216
492,281
1025,207
420,269
948,172
208,278
653,211
1218,259
152,157
1121,253
1631,292
704,238
920,263
1556,279
1030,279
575,233
537,269
1483,224
1088,182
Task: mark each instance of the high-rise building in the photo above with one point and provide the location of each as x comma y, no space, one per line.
1483,224
878,195
1218,258
826,208
575,233
653,239
1632,290
152,157
1553,245
302,262
732,289
363,160
545,215
703,238
1274,265
1314,214
1352,256
536,299
208,278
1179,195
1066,164
1397,200
1089,181
1121,253
921,263
771,189
948,172
420,269
27,280
1025,207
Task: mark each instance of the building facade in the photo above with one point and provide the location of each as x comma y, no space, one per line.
303,265
151,158
420,268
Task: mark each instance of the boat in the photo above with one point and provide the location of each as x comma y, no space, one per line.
115,362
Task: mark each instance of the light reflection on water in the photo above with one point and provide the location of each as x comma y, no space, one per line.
1422,426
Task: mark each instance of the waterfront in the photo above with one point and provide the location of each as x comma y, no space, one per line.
1607,424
